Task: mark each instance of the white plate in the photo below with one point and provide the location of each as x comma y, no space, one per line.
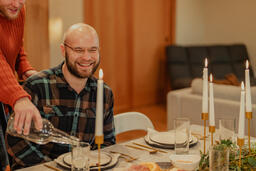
167,138
113,162
105,158
194,141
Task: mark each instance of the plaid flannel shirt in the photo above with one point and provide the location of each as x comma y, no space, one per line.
68,111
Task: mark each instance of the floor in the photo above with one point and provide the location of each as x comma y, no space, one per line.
156,113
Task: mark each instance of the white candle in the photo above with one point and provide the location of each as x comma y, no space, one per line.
205,89
211,103
242,113
99,106
248,100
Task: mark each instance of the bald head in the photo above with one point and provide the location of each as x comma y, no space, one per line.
81,33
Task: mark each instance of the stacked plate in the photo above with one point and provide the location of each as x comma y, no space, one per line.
107,160
167,139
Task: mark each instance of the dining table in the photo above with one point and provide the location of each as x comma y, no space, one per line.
139,155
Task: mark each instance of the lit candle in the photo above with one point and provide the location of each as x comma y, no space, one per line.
242,113
205,89
99,106
248,100
211,103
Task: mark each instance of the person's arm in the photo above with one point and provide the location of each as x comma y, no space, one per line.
23,67
13,94
108,127
26,153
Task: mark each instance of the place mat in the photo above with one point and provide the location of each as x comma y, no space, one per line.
105,158
113,162
194,141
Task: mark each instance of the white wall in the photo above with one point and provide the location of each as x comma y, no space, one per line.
217,21
62,14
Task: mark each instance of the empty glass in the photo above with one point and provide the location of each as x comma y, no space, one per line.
80,156
227,129
182,135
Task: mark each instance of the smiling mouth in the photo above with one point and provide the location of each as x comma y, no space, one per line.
85,65
13,11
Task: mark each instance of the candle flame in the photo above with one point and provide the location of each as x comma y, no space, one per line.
211,78
247,64
101,74
205,63
242,86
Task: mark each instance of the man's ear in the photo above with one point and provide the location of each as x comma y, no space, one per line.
62,48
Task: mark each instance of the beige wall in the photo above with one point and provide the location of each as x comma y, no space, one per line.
62,14
218,21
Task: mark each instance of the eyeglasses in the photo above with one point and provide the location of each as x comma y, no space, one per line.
81,51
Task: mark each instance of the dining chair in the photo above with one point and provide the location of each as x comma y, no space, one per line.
129,121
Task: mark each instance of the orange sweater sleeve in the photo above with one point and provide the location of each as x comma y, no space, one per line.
22,63
11,91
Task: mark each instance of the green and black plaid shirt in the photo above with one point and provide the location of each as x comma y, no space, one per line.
68,111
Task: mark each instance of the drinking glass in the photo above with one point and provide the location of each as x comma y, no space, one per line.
219,158
227,129
182,135
80,156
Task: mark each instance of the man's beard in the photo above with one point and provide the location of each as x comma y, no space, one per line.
74,71
4,12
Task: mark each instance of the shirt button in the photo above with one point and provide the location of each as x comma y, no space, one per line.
76,114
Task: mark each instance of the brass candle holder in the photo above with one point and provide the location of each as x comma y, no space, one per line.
211,130
99,141
249,117
240,143
205,117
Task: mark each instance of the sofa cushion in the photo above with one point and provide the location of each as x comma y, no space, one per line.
222,91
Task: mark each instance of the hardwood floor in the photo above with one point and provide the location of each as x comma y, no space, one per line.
158,116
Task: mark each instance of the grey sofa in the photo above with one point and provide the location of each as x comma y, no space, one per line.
184,63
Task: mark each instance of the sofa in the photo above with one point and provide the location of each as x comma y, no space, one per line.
187,102
185,65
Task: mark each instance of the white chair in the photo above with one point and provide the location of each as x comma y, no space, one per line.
129,121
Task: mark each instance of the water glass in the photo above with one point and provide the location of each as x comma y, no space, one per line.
227,129
80,156
219,159
182,135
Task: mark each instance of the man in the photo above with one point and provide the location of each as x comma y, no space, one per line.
66,95
13,58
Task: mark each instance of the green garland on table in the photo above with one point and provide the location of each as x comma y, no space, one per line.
248,161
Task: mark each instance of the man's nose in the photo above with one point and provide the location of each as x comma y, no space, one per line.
17,3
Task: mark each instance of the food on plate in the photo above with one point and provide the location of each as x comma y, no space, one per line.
145,166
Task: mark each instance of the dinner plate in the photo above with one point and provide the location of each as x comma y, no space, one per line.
113,162
194,141
168,138
105,158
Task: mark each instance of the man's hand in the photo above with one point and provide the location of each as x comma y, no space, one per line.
25,111
28,74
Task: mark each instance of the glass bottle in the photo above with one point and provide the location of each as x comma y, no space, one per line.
47,134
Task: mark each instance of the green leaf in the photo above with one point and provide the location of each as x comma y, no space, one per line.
252,162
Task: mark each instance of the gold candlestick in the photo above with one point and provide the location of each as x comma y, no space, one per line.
240,143
249,117
211,130
99,141
205,118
